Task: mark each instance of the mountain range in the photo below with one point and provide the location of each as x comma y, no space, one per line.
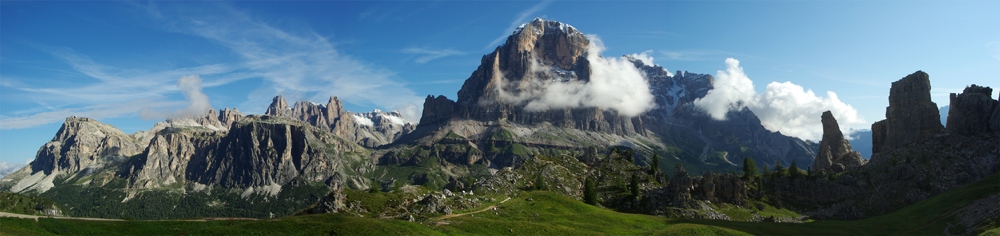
544,103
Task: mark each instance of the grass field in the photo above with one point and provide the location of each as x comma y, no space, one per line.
545,214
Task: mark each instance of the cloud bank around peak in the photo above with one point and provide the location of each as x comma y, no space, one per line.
615,83
784,107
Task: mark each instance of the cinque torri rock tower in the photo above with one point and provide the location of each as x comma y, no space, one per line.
911,115
835,153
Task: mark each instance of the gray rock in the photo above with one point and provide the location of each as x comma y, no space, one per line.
911,115
835,153
84,143
971,111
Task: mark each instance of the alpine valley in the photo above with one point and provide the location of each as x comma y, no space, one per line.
505,153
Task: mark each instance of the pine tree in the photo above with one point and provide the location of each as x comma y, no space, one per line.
374,187
749,168
794,170
779,170
655,165
589,192
634,185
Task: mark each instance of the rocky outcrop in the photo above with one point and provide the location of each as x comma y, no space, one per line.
333,202
437,110
679,190
369,129
971,111
835,153
911,115
513,69
83,143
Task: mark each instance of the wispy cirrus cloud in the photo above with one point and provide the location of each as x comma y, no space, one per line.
300,64
696,55
424,55
105,91
297,63
521,18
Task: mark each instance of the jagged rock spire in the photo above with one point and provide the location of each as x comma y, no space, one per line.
835,153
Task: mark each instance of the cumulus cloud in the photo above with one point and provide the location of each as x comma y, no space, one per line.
644,57
198,104
784,107
614,84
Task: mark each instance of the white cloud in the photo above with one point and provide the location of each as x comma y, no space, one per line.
647,59
614,84
300,65
696,55
522,17
99,111
784,107
7,168
426,55
644,57
198,104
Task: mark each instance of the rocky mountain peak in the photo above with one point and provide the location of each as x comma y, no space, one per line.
369,129
551,41
835,153
278,107
974,112
81,143
911,115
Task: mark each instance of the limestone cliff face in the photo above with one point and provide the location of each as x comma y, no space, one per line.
911,115
370,129
835,153
165,160
82,143
510,70
972,112
269,151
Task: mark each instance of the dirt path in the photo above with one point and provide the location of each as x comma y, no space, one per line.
5,214
445,217
14,215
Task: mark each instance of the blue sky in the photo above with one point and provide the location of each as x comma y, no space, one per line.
120,62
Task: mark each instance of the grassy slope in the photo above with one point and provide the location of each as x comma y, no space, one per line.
547,213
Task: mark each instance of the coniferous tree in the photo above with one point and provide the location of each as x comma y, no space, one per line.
634,185
589,192
779,170
655,165
749,168
374,187
794,170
